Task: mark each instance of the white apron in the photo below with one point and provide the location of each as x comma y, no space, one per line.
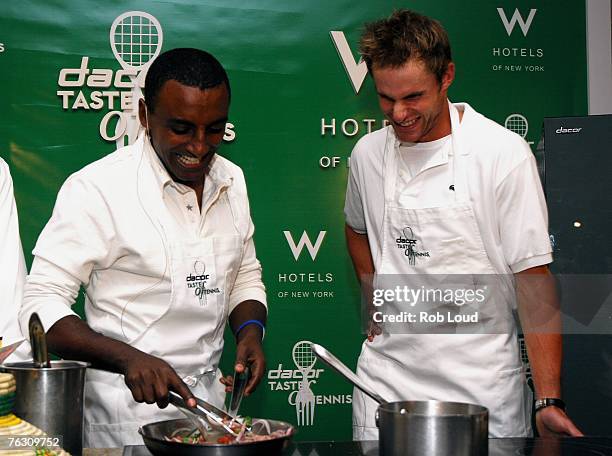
468,367
185,325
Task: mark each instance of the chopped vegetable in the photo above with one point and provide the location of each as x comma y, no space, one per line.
194,437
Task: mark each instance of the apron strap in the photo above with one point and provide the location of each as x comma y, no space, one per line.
390,165
389,168
460,177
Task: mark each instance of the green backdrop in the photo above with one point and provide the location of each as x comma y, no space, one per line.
517,62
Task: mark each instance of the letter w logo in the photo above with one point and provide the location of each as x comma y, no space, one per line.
516,17
305,241
356,71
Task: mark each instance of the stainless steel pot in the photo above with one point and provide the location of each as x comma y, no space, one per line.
432,428
421,428
154,436
51,398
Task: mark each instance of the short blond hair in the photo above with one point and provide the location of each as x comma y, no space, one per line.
404,36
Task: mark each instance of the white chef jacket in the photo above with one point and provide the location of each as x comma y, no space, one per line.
12,268
103,227
504,186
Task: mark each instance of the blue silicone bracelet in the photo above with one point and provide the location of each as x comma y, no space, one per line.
248,322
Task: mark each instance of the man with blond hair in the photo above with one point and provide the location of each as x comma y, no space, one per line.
445,191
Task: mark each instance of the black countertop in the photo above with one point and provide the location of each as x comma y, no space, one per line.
587,446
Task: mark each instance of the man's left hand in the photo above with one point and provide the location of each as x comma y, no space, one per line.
249,352
249,335
553,422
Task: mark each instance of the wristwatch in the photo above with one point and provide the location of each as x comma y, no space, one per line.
547,402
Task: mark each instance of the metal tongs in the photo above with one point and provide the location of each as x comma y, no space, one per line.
240,381
210,415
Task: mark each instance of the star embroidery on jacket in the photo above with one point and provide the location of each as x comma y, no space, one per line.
189,207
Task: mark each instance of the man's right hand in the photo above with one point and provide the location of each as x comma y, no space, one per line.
373,329
359,250
553,422
150,379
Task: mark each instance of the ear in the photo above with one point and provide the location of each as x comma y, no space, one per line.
142,113
448,77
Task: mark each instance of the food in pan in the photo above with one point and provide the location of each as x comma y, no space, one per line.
260,431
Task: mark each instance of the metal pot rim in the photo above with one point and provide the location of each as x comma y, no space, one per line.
62,364
468,410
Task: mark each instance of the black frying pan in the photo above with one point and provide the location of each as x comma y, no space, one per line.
154,435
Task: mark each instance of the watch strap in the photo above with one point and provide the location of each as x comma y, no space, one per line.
547,402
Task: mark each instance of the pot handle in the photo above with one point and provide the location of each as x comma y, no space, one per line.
324,355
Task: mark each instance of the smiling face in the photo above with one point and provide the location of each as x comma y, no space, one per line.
186,127
414,101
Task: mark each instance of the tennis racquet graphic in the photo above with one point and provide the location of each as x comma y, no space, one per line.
304,360
517,123
136,39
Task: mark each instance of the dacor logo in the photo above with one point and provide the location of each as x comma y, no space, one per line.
313,250
407,242
95,78
516,17
191,277
561,130
356,70
298,384
198,282
136,39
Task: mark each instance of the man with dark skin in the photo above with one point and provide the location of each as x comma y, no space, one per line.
159,234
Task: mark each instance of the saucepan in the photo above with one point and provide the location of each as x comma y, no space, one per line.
421,428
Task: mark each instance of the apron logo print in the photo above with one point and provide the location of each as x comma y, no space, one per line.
407,242
198,282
